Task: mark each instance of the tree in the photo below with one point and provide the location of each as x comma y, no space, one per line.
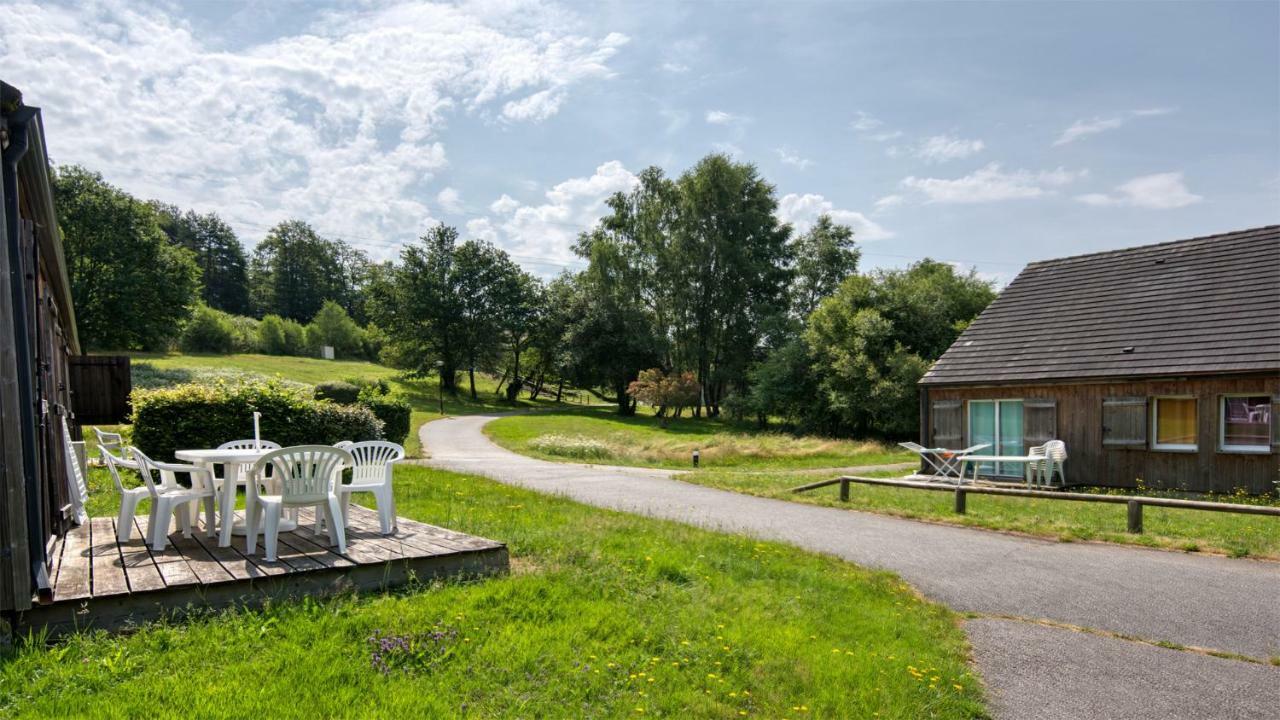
294,271
418,304
208,331
217,251
517,304
132,289
548,341
668,392
332,326
874,338
824,257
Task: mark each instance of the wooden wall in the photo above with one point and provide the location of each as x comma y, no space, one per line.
1079,423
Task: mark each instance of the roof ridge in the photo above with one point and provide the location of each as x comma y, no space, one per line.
1242,234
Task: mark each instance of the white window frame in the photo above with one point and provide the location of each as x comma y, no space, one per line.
1264,449
1155,425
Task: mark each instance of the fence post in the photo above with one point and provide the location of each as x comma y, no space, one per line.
960,500
844,490
1135,517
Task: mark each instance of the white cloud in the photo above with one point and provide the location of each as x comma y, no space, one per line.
720,117
790,158
729,149
338,124
865,122
1085,128
449,200
991,184
541,236
676,119
802,211
1161,191
889,201
675,67
885,136
941,148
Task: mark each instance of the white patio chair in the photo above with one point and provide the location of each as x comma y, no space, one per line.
109,441
129,497
372,474
305,476
169,498
1055,452
78,489
250,444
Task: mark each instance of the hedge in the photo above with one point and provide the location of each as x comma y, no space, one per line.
337,391
394,413
201,416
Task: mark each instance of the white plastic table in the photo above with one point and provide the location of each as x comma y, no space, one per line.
1026,460
230,460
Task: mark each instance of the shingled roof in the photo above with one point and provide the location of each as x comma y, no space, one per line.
1207,305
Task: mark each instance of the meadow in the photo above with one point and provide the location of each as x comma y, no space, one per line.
603,615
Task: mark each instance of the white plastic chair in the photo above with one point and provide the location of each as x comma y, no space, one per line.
109,442
1055,452
78,490
372,474
170,498
305,476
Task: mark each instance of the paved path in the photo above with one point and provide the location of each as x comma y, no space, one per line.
1032,671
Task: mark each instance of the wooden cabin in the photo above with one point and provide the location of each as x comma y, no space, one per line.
37,340
1158,366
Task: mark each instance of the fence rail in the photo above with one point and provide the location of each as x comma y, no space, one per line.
1135,503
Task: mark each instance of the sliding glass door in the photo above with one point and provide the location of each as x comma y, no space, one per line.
997,423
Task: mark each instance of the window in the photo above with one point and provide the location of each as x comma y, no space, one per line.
1245,423
999,424
1174,420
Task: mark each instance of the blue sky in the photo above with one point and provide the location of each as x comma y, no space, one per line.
985,134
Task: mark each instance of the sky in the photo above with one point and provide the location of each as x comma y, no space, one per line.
984,134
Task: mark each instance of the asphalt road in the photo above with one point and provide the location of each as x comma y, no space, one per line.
1032,671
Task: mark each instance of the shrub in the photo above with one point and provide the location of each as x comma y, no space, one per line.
573,446
392,410
332,326
208,331
281,336
202,416
337,391
244,334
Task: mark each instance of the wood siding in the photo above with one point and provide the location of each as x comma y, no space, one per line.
1083,409
100,387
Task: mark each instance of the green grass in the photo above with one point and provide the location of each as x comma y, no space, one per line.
642,441
1186,530
422,393
604,615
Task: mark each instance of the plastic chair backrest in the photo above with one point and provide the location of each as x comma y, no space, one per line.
249,445
372,460
79,489
305,473
144,467
1056,450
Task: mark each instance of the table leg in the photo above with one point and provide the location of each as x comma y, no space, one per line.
227,514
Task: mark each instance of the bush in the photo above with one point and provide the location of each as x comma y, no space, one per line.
333,327
208,331
572,446
200,416
337,391
244,334
392,410
281,336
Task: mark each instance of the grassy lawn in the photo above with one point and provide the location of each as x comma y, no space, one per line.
599,434
151,370
1189,530
604,615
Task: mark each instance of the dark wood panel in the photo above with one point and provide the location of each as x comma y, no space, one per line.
100,387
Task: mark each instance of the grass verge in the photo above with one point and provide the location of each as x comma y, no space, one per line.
605,615
1186,530
599,434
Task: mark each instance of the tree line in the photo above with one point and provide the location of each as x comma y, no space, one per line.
695,294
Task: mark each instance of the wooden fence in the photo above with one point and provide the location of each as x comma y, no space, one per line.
1135,503
100,387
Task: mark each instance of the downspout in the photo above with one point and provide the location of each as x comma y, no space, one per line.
19,142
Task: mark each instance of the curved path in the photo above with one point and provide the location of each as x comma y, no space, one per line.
1026,588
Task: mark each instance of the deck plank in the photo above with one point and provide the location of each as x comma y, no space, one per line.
358,551
229,558
173,567
55,561
106,566
315,550
73,572
140,572
204,566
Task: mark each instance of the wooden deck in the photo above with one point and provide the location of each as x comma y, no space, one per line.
99,582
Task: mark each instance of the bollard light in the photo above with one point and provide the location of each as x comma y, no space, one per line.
695,458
